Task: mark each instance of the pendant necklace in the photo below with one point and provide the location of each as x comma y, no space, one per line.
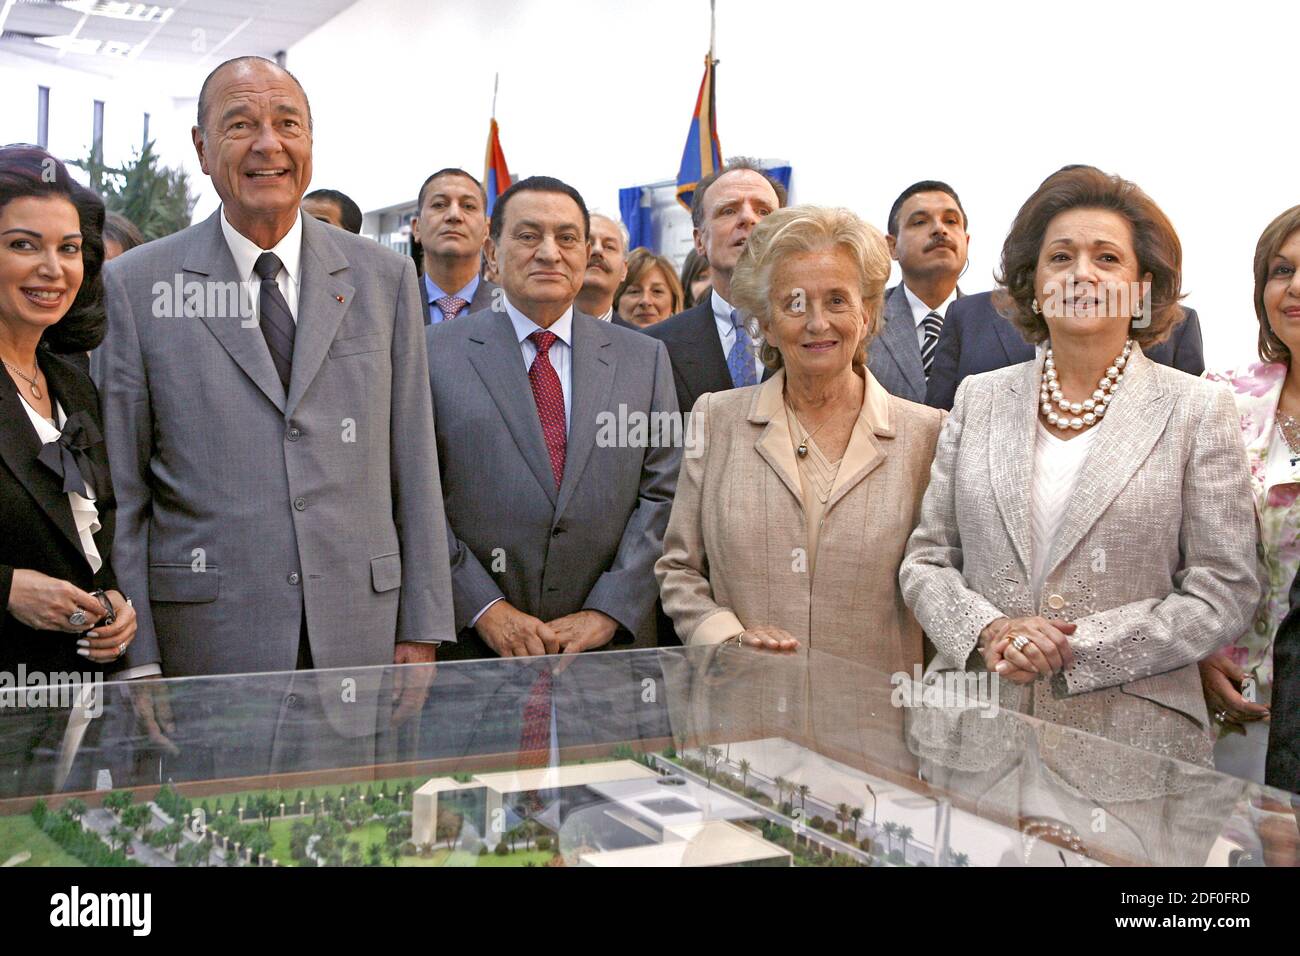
32,382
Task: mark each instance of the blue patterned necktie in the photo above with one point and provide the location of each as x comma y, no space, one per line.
740,360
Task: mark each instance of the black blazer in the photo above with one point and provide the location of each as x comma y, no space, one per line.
39,533
695,351
1282,769
976,338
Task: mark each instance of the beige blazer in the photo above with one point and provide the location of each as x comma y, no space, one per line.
735,550
1155,559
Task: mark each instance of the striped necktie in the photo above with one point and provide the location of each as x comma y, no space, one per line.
931,326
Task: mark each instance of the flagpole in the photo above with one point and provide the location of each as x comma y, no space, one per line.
713,26
496,81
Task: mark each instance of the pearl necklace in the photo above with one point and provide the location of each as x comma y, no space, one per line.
1085,414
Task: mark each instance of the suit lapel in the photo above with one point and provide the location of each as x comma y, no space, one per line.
209,257
865,452
1133,423
322,303
1011,455
19,446
705,365
482,296
494,353
899,338
773,445
594,364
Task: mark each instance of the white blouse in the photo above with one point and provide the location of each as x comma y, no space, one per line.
1057,465
84,512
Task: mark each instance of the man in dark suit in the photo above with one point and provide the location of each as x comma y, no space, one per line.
449,230
709,344
976,338
555,520
928,239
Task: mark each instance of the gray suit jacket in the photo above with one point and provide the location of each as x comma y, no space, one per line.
894,355
243,511
482,299
591,544
1154,560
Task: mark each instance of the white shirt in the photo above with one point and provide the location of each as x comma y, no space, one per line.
1057,465
920,310
608,316
722,310
560,354
84,513
246,252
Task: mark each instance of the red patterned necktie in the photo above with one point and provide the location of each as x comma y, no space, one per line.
450,306
535,737
549,397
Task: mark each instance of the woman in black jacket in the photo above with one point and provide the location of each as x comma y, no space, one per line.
60,611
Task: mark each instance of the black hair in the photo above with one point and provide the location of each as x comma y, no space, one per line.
31,171
449,171
924,186
536,184
349,211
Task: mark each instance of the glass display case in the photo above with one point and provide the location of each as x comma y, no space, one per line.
669,757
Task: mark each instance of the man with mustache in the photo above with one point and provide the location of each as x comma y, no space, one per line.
709,343
606,268
448,232
928,239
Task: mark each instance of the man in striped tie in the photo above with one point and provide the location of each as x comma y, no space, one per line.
927,237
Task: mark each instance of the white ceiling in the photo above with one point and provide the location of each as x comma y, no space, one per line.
176,49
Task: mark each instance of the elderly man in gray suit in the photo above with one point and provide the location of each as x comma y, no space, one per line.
927,237
273,451
556,511
448,230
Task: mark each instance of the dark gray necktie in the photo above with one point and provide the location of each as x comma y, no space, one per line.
274,316
931,325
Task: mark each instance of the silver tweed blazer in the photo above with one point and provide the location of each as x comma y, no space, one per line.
1155,560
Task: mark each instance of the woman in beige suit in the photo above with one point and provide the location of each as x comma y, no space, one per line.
794,506
1088,533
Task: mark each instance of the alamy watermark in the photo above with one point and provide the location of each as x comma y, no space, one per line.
964,690
29,690
634,428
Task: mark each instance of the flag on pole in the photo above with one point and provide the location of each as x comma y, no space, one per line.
703,153
496,175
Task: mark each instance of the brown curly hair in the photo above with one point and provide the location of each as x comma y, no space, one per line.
1084,187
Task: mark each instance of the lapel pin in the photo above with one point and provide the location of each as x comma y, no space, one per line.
339,297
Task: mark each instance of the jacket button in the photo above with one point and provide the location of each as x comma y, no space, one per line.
556,532
300,504
293,577
1056,602
292,700
294,434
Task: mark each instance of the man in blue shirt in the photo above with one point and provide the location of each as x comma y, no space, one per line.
449,230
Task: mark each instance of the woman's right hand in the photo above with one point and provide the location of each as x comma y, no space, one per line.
44,603
1222,680
764,637
1047,652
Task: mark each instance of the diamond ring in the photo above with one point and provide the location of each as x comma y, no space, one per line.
77,618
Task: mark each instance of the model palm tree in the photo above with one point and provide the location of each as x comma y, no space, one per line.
890,829
905,834
804,790
856,815
842,815
960,859
781,785
744,766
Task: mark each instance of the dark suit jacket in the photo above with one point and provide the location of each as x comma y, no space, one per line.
976,338
39,533
1282,769
699,364
482,299
593,542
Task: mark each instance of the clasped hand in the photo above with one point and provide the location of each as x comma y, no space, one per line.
1046,653
512,633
